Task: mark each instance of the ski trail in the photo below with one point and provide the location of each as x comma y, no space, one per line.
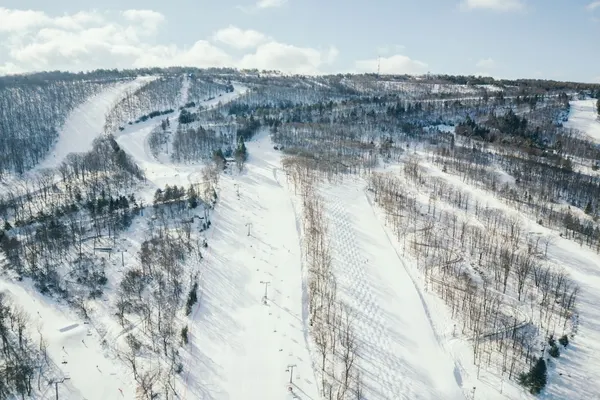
401,356
86,122
241,347
583,117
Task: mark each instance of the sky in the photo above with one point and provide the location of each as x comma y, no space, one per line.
546,39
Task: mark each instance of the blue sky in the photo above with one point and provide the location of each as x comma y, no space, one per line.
553,39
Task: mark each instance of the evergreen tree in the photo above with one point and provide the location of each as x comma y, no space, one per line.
536,378
192,197
598,106
192,298
184,335
588,208
158,196
241,154
564,340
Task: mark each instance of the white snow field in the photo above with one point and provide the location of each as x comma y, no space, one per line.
240,348
401,358
86,121
584,118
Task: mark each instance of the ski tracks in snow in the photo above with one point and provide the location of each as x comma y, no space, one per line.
401,357
369,319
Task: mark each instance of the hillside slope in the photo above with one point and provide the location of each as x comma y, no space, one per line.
402,357
86,122
241,347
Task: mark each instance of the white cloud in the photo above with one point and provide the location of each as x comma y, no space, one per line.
396,64
331,55
593,5
20,20
261,5
270,3
149,19
487,63
288,58
239,38
9,69
496,5
202,55
78,20
89,40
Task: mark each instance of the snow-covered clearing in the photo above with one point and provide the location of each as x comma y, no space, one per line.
86,122
240,347
584,118
401,357
73,346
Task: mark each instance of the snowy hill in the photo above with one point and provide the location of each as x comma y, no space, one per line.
201,236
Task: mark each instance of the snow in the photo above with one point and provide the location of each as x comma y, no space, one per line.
262,340
583,117
571,376
442,128
491,88
396,335
73,347
86,122
241,347
160,172
238,90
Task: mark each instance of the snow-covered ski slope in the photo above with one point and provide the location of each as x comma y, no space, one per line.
401,358
241,347
584,118
574,374
85,122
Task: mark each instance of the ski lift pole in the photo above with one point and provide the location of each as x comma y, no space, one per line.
291,370
266,288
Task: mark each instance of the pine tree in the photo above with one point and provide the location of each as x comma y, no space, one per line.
158,196
184,335
241,154
598,106
588,208
539,376
192,298
564,340
192,197
536,378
